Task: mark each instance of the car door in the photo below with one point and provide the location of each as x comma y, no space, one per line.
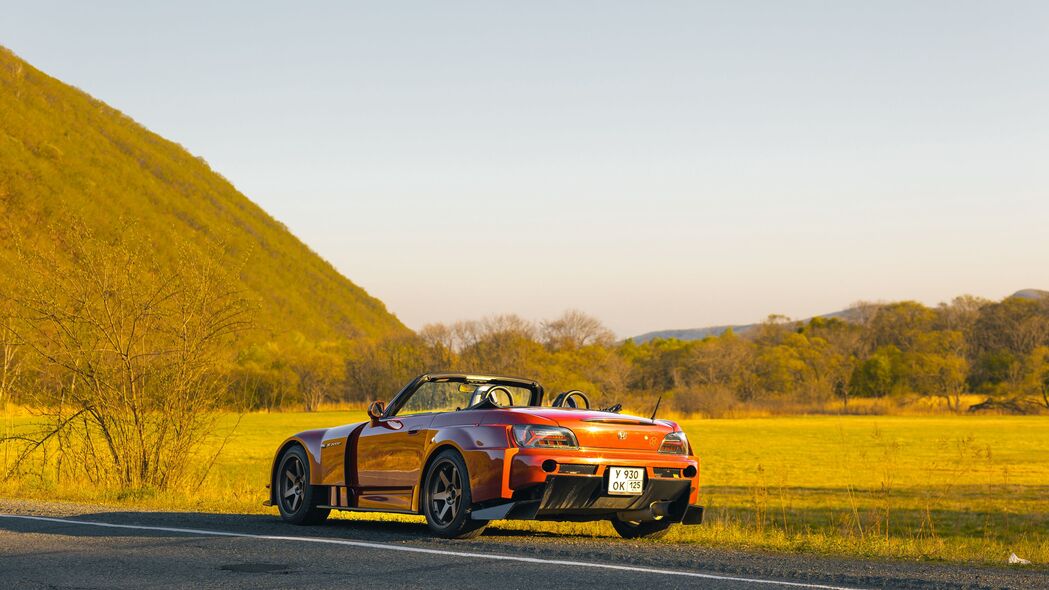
391,449
390,452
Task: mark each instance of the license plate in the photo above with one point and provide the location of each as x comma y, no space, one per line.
626,481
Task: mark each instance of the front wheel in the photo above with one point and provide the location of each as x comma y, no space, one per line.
446,498
649,529
295,496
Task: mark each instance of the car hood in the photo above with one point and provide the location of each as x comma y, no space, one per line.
605,430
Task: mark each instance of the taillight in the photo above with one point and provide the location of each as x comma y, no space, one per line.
674,443
544,437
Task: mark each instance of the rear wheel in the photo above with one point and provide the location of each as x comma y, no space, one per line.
446,498
649,529
296,498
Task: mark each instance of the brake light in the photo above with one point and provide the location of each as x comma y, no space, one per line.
544,437
674,443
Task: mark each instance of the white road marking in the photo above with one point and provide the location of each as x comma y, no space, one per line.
410,549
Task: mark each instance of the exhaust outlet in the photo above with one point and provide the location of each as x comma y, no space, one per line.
654,511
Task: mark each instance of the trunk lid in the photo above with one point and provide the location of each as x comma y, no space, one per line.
605,430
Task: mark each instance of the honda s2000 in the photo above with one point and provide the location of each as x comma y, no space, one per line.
464,450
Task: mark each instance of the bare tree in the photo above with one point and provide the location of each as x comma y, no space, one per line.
128,352
1036,373
774,329
10,357
320,369
961,313
575,329
439,342
507,324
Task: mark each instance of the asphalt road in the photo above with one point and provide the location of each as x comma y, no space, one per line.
52,545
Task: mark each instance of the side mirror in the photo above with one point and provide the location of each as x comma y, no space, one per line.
376,409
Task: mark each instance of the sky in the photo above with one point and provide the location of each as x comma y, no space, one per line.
655,164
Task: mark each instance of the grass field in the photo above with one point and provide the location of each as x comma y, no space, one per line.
951,488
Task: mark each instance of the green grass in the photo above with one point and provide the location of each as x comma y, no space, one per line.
947,488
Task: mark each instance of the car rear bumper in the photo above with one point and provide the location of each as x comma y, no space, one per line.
584,498
526,468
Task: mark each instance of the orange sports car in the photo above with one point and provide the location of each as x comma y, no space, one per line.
464,450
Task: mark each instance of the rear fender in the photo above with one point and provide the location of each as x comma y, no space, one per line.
482,448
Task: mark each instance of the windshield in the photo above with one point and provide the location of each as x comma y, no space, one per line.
452,394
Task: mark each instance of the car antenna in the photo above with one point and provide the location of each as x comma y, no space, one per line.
656,409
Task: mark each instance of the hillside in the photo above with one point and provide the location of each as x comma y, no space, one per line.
688,333
64,153
1031,294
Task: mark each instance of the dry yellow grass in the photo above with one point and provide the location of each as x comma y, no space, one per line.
957,488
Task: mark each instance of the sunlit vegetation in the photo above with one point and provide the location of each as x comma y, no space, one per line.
967,355
148,310
66,157
966,488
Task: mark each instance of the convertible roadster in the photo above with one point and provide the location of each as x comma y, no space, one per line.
464,450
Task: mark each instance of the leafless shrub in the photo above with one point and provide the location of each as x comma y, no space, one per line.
127,352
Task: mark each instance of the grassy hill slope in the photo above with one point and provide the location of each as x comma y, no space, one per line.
65,153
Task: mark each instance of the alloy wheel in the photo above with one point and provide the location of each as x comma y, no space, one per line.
292,484
446,493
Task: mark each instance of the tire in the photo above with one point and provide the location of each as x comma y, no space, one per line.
296,499
446,498
648,529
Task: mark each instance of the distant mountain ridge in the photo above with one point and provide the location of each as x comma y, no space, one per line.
845,314
65,154
1031,294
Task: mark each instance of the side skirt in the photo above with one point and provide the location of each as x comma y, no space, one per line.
383,510
346,498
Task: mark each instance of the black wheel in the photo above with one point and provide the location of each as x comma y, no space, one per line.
649,529
446,498
296,498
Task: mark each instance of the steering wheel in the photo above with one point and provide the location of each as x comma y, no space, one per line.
571,399
491,395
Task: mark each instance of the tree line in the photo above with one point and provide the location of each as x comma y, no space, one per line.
105,327
895,351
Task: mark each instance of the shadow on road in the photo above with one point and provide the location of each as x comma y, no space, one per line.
380,531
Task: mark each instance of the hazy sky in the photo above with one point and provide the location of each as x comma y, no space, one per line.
657,164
